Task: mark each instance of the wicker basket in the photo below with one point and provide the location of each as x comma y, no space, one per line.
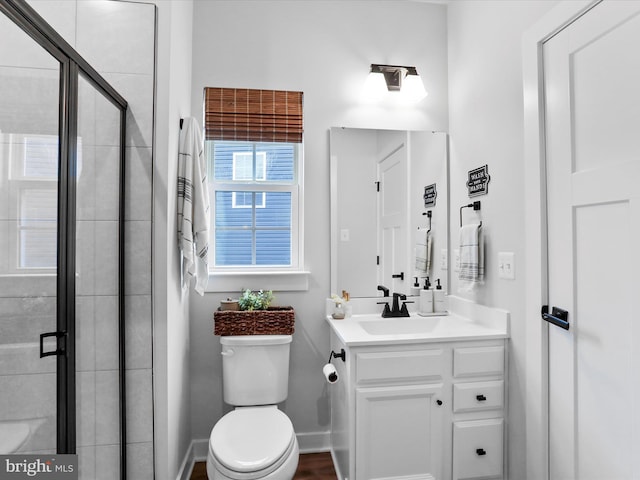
273,321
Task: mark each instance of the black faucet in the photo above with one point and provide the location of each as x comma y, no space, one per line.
396,310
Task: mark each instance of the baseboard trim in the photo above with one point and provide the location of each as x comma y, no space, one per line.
187,464
314,442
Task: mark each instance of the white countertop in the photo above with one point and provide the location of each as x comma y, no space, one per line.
372,329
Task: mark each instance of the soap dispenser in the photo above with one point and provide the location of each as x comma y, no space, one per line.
426,299
415,289
438,299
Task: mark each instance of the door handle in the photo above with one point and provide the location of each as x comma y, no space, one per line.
481,451
558,317
58,351
481,398
398,275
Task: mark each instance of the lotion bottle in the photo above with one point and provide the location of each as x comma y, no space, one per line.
415,289
426,299
438,299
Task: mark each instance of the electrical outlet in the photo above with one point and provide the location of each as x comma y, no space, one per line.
507,265
444,261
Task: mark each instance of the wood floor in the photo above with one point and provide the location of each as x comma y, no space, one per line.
312,466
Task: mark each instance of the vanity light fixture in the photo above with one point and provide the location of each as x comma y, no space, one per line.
395,80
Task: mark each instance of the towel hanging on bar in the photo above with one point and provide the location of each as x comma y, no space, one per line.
193,207
423,251
471,247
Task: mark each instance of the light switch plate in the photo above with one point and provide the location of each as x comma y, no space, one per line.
444,262
507,265
456,255
344,235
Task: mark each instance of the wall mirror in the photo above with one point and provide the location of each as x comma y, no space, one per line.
378,213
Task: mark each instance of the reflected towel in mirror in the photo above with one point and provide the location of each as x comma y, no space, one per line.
423,251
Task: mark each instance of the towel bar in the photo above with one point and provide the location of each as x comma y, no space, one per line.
475,205
428,213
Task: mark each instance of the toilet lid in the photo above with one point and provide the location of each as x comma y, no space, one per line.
251,439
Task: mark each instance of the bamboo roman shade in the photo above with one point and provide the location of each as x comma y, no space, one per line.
253,115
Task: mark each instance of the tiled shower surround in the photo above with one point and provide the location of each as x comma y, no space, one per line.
118,40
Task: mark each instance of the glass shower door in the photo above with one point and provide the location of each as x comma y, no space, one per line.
61,249
29,158
97,285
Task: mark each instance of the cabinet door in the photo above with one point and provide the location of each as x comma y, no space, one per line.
399,432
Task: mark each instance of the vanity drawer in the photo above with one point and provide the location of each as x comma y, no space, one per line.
414,365
478,449
478,361
473,396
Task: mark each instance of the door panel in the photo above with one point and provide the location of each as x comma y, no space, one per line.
592,105
29,140
97,331
392,214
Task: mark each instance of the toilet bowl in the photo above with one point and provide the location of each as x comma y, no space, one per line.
253,443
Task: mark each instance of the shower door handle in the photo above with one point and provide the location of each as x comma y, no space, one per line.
58,351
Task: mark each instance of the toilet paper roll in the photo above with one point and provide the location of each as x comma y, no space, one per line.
330,373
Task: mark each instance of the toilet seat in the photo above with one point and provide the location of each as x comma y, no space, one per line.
251,442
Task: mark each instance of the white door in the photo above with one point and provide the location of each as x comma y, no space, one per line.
392,217
592,103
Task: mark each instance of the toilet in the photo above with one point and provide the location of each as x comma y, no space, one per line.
256,440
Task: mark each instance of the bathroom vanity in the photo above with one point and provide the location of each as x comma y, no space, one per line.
420,397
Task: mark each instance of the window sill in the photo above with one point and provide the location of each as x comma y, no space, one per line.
255,280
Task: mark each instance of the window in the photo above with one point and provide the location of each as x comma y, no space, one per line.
253,145
30,178
243,171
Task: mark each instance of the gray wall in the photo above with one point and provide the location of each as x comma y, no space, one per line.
324,49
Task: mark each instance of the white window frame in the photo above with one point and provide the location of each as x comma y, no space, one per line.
275,277
261,175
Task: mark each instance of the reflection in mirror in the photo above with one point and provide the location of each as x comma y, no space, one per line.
378,213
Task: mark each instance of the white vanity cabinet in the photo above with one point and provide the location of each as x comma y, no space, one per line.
430,411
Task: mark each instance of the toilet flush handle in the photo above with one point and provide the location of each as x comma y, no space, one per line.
227,353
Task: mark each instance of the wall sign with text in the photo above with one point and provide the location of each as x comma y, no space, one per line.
478,183
430,195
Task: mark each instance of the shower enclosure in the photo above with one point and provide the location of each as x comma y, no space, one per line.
62,130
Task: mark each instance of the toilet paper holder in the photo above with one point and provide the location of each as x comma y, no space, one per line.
342,355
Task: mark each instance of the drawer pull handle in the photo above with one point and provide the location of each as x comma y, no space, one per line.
481,451
481,398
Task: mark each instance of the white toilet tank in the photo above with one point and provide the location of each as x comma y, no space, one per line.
255,369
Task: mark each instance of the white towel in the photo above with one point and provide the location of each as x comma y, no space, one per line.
423,251
193,207
471,258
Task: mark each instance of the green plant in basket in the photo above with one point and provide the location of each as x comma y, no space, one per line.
259,300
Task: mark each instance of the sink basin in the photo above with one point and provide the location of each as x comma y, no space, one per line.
399,326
